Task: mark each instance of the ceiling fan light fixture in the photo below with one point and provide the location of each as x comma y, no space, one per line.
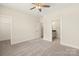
39,6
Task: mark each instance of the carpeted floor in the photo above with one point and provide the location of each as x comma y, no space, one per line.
37,47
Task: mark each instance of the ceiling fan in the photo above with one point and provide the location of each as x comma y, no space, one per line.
39,6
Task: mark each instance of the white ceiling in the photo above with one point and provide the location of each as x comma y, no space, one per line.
25,7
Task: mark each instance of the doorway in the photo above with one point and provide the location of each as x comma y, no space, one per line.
56,28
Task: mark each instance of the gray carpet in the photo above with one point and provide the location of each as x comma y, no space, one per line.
37,47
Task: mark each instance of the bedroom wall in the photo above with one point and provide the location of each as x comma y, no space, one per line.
24,26
70,26
47,28
4,28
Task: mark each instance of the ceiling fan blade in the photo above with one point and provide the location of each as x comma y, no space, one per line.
40,10
32,8
45,6
39,6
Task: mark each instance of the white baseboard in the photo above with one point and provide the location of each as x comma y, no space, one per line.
20,41
69,45
47,39
4,39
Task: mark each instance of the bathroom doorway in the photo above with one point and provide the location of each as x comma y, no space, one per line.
56,29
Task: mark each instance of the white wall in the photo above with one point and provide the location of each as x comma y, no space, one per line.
70,26
5,33
24,26
47,28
